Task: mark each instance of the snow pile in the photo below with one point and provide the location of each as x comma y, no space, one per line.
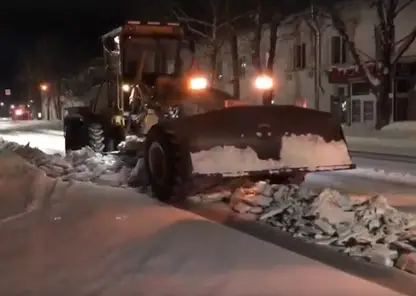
371,229
384,175
305,151
23,186
132,143
82,165
402,126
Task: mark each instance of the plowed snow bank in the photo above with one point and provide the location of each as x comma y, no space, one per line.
29,177
23,187
369,228
82,165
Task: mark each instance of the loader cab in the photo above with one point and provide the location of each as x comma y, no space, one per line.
143,51
147,48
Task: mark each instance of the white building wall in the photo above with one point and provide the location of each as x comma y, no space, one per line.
293,84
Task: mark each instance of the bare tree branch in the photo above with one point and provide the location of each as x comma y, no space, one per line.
409,39
192,20
236,18
370,58
183,17
187,20
401,8
340,26
203,35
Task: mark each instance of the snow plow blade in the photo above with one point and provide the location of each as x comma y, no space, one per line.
248,140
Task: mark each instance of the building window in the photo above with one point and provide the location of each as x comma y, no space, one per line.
243,66
299,56
360,88
338,50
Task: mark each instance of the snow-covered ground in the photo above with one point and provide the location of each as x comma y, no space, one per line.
396,138
394,230
23,124
48,143
108,241
99,240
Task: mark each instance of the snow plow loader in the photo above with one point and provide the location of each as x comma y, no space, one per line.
197,136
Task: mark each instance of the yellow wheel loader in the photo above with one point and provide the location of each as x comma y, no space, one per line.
193,131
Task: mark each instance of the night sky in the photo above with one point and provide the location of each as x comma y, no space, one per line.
76,29
75,25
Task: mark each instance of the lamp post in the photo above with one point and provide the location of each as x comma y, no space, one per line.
44,87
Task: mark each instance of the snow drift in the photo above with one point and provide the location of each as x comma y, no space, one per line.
29,177
82,165
368,228
23,187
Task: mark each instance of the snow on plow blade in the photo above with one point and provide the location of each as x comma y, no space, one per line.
247,140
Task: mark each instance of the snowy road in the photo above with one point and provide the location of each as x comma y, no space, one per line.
371,175
94,244
44,135
395,180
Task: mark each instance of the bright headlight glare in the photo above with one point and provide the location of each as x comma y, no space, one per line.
198,83
263,82
125,87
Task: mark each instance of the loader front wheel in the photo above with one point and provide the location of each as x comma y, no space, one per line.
96,137
163,165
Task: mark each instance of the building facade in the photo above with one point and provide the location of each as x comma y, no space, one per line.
338,86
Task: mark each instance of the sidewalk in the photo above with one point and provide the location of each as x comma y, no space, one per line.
398,138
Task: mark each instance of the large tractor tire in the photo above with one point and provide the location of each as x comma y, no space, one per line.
96,137
165,165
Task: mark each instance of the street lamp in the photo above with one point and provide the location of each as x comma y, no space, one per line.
44,87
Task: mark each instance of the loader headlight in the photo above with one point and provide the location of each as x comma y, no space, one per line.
263,82
197,83
126,87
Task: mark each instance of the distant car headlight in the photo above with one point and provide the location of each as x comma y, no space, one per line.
197,83
264,82
18,112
